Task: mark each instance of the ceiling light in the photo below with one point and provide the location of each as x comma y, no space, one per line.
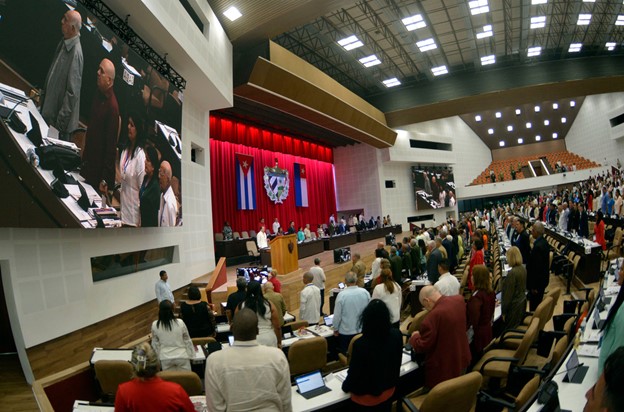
537,109
369,61
555,106
490,131
414,22
350,43
528,125
501,143
620,20
575,47
438,71
610,45
510,128
563,120
589,1
478,7
546,122
485,60
391,82
498,115
534,51
555,135
583,19
572,103
520,140
232,13
487,32
535,2
538,22
478,118
425,45
538,138
518,112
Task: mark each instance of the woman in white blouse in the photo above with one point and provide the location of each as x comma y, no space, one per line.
132,171
389,292
171,340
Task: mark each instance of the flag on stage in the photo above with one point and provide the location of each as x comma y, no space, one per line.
301,185
245,183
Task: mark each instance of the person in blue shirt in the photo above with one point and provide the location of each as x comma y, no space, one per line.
300,235
350,304
604,201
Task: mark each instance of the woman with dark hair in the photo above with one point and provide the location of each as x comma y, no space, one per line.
269,329
476,258
375,361
132,171
197,315
613,328
148,392
389,292
149,193
599,230
171,340
480,310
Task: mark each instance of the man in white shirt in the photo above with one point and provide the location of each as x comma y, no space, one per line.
168,211
447,284
247,376
564,216
261,238
276,225
310,300
163,291
319,279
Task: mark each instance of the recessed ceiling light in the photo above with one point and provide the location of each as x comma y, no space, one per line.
520,140
438,71
620,20
537,22
478,7
498,115
538,138
510,128
534,51
589,1
487,32
528,125
555,135
427,44
546,122
232,13
501,143
572,103
575,47
391,82
478,118
490,131
535,2
537,109
583,19
414,22
563,120
350,43
610,45
485,60
555,106
369,61
518,112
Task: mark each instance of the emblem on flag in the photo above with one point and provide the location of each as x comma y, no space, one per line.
245,183
301,185
276,183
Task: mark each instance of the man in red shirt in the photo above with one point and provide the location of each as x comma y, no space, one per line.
277,285
442,337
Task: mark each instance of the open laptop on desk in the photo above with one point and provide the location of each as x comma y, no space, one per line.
311,385
598,323
575,371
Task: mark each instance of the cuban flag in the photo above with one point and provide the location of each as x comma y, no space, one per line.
301,186
245,182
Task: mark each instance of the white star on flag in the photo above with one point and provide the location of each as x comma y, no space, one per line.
245,164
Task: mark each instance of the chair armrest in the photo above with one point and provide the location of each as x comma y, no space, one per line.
533,369
506,337
498,359
409,404
489,399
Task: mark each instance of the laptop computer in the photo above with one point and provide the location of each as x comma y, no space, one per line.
598,323
311,385
575,371
329,320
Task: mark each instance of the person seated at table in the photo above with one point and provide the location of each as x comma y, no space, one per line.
300,234
269,329
197,315
234,299
480,310
171,340
606,394
375,364
613,328
148,392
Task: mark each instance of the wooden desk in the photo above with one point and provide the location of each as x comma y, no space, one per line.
310,248
588,270
366,235
339,241
230,248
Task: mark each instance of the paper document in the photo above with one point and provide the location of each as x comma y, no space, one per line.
590,351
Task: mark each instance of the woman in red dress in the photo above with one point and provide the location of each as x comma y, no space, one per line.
480,310
476,258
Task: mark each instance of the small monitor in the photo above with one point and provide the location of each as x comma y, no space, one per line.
341,285
329,320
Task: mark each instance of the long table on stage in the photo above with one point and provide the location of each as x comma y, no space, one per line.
310,248
230,248
366,235
339,241
588,270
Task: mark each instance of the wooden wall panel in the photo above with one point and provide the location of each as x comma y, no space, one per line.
529,150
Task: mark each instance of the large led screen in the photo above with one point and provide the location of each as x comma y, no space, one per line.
91,132
434,187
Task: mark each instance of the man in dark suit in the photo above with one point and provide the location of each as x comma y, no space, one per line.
435,256
538,271
396,263
522,240
583,227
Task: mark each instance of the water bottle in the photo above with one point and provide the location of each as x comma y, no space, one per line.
33,158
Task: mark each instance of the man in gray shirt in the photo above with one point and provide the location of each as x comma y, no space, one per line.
163,290
319,280
350,304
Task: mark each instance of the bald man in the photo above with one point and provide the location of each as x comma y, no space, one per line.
98,167
168,211
61,104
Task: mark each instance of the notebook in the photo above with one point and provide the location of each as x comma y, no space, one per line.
311,385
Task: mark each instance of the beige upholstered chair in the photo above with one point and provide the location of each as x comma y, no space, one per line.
346,359
203,341
457,395
110,373
187,379
307,355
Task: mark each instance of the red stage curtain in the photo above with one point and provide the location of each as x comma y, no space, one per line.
320,180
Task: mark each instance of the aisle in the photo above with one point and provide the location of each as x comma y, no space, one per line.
15,393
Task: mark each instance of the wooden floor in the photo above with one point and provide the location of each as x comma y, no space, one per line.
15,393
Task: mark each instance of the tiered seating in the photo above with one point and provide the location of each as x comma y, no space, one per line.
505,166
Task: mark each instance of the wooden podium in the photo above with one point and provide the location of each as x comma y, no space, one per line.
284,254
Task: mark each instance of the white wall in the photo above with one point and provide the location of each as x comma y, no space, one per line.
590,134
46,273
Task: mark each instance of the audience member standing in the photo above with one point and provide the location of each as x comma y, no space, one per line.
276,299
476,258
349,306
168,211
163,290
319,279
149,193
583,228
261,238
396,263
522,240
234,299
269,329
197,315
276,226
389,292
171,340
599,230
277,285
480,310
247,376
538,270
310,300
434,258
513,305
359,268
447,284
